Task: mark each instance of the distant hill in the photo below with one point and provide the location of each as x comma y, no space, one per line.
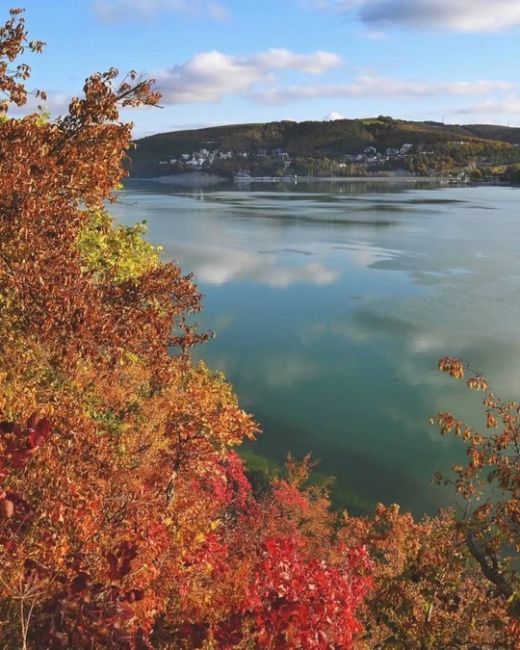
495,132
312,139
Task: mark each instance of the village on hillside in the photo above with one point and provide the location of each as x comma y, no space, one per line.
277,162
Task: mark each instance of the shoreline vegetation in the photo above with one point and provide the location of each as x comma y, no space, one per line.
127,519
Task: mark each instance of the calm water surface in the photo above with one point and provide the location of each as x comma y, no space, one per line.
332,305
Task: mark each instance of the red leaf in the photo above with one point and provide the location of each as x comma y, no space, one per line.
21,457
112,566
31,422
40,433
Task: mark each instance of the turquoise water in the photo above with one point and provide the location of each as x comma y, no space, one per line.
332,305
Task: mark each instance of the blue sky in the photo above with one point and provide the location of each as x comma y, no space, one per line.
231,61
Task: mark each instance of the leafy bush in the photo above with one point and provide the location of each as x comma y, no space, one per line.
115,253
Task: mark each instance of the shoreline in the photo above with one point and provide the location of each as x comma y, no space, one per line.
206,180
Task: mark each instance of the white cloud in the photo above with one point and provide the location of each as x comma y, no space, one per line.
56,104
375,86
331,117
508,105
117,10
210,76
452,15
315,63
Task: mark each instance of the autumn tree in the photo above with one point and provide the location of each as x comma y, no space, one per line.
126,518
489,484
453,580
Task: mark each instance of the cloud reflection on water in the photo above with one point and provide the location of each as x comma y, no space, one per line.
217,265
343,360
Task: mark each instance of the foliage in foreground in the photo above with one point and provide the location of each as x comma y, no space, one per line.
126,517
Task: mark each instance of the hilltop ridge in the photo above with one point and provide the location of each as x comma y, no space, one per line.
246,145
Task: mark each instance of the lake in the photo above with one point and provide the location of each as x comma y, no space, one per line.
332,304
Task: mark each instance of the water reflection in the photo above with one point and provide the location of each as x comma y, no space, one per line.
218,265
332,308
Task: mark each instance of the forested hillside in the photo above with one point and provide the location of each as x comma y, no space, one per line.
322,139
